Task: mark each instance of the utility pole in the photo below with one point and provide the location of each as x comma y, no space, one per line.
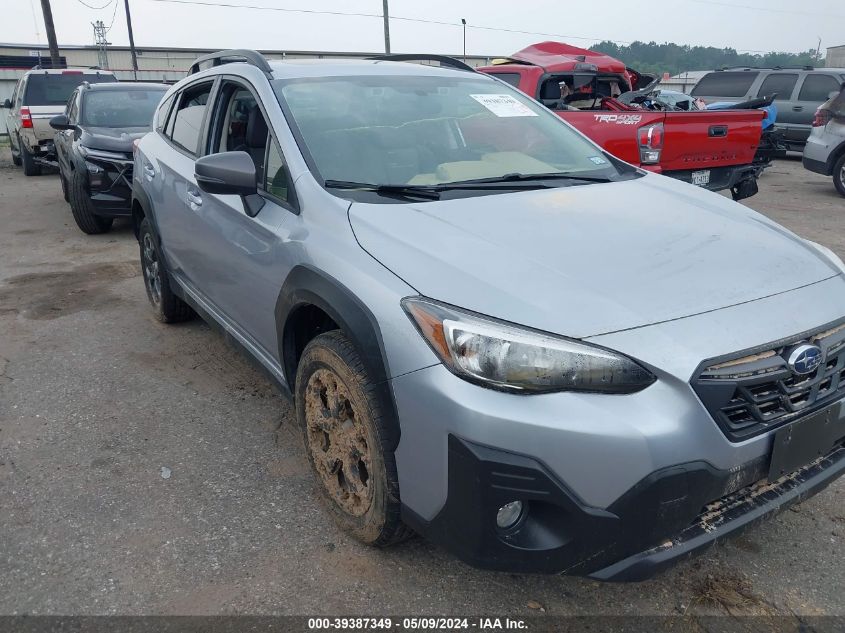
55,62
386,28
132,39
464,22
102,43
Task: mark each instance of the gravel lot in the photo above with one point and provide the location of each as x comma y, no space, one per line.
98,402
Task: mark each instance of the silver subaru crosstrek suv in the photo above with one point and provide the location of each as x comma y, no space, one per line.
495,333
824,152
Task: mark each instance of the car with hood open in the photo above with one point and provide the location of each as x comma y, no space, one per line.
94,141
494,332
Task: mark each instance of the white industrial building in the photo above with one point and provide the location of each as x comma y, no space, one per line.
835,57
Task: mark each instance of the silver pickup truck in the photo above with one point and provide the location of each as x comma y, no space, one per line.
40,95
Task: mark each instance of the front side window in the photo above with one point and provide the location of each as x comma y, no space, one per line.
818,88
724,84
186,121
120,108
240,126
431,130
276,175
71,108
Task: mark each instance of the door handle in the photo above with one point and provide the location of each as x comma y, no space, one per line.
797,108
149,171
194,199
717,131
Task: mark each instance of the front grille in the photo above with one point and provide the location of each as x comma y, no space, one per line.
757,391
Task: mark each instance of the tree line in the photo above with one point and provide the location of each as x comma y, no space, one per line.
652,57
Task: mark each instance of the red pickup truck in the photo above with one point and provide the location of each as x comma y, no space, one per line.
712,149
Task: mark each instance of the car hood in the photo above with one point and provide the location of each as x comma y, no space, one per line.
111,139
588,260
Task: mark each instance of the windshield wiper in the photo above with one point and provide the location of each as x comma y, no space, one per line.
417,191
517,177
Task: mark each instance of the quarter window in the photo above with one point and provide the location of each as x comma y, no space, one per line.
276,175
818,88
187,119
161,114
781,84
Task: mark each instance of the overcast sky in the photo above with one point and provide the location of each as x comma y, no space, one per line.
754,25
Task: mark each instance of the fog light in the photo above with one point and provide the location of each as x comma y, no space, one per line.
509,514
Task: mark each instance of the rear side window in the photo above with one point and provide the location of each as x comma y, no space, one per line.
54,89
511,78
818,88
186,121
724,84
781,84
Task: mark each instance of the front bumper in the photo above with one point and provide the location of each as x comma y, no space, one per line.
669,515
110,186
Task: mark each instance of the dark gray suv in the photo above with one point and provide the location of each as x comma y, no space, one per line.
800,91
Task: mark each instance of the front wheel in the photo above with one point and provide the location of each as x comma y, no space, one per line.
347,440
168,308
83,209
839,175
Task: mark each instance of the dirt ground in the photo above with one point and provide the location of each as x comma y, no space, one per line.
148,469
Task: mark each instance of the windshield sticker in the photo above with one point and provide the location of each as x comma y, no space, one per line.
598,160
504,105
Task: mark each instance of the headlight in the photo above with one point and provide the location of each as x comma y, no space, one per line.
505,356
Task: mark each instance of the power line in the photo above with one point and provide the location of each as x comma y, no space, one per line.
229,5
765,9
90,6
113,16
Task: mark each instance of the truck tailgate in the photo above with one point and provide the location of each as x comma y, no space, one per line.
41,116
706,139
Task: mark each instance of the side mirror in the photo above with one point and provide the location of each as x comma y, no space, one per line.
230,173
60,122
7,103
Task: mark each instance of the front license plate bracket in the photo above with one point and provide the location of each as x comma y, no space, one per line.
805,440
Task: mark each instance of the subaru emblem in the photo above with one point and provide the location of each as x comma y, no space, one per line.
804,359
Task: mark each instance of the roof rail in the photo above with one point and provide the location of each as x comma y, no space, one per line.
444,60
253,58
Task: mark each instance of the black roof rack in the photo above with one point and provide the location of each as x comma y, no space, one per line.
254,58
444,60
806,67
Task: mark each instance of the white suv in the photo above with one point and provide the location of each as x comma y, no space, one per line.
825,149
39,96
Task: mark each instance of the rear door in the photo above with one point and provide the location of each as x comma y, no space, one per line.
813,91
785,86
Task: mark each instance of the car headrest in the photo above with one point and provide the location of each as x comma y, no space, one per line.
256,129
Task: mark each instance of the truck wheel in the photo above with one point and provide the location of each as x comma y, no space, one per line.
346,438
30,167
83,211
16,158
839,175
168,308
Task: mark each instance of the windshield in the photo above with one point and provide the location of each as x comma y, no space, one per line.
120,108
54,89
432,130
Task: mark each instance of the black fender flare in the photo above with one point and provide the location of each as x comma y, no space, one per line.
308,286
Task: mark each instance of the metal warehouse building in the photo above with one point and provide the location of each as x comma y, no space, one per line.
835,57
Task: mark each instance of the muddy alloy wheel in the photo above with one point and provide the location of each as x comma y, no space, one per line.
152,276
338,443
350,438
839,175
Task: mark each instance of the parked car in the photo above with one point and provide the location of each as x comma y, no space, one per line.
38,96
495,333
799,92
825,149
94,148
714,150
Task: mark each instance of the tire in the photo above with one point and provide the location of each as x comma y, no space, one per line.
167,307
839,175
65,193
82,209
16,158
347,440
30,167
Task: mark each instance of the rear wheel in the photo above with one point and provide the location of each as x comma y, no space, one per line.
839,175
30,167
168,308
83,210
348,441
16,158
